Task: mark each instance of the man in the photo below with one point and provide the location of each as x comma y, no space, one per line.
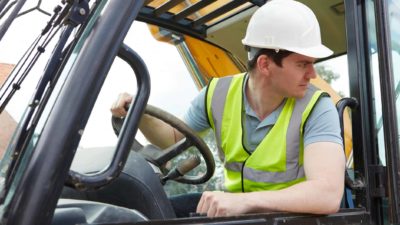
278,136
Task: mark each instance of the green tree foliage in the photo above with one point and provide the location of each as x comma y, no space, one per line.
215,183
326,74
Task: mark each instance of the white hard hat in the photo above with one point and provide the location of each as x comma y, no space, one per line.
288,25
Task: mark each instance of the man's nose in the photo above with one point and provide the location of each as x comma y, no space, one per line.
310,73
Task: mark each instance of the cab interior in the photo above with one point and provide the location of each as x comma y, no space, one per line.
209,40
207,34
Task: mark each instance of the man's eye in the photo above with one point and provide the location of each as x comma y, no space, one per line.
302,65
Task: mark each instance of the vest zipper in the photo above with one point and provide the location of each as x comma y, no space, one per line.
243,118
241,175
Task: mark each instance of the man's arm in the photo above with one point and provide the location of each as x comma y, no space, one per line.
321,193
156,131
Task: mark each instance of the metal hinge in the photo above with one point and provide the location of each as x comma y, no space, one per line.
378,180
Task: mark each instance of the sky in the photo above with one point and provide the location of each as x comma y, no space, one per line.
172,88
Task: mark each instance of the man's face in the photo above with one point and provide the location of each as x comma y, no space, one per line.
293,78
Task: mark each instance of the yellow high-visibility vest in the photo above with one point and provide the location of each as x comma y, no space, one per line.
277,162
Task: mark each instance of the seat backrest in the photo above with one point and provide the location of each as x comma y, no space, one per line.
85,212
137,187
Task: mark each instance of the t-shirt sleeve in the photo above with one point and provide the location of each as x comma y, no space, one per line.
323,123
196,116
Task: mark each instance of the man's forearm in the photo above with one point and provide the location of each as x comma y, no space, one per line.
307,197
321,193
158,132
324,165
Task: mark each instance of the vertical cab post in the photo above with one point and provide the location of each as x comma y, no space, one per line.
388,95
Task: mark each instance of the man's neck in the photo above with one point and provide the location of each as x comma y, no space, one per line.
261,97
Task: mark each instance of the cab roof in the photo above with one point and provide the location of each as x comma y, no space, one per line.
224,22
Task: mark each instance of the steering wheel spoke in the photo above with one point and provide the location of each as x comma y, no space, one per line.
172,151
160,158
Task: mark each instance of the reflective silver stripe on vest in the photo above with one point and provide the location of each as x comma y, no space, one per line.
267,177
217,109
293,169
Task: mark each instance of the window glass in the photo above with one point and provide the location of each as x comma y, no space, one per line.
335,72
394,23
12,167
376,91
172,90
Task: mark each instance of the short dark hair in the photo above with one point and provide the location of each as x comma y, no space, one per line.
277,57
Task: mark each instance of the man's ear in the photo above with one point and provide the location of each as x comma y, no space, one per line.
264,64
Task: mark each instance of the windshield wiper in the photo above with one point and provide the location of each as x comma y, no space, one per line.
28,60
72,15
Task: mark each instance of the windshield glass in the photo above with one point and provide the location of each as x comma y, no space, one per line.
172,89
25,107
14,43
170,80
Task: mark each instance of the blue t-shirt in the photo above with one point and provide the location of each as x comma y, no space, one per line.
322,124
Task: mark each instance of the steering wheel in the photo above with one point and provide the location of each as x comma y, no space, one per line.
160,158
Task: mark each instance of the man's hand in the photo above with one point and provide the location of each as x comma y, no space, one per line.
118,108
222,204
155,130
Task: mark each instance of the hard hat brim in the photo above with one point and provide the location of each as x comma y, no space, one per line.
320,51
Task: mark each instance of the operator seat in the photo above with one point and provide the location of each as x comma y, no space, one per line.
137,187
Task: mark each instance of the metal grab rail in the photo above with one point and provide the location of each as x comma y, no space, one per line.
128,131
350,184
341,105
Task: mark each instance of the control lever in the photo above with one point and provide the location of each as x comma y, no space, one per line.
182,168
